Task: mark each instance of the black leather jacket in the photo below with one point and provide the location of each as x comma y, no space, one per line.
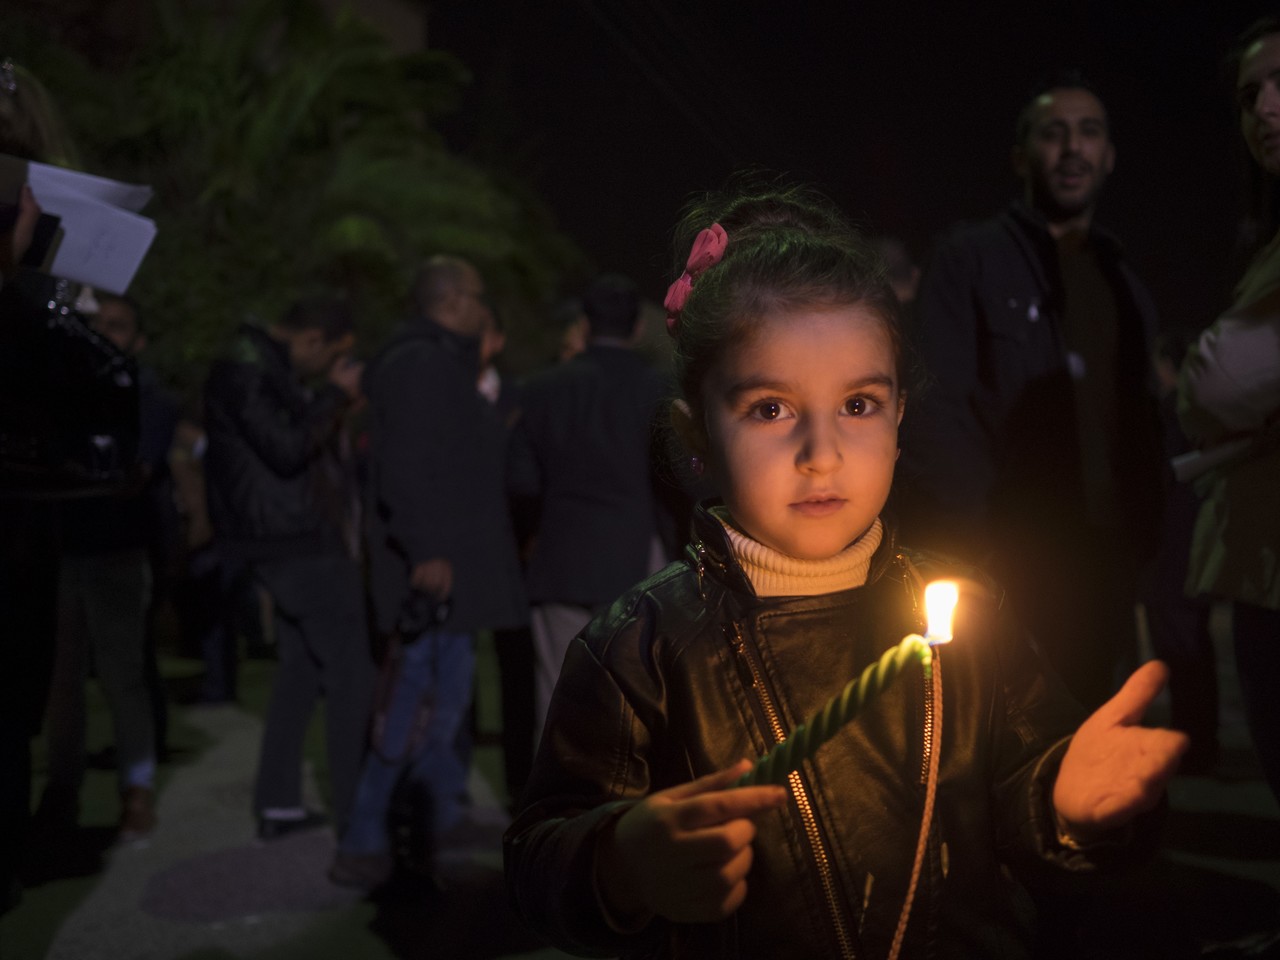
269,497
690,671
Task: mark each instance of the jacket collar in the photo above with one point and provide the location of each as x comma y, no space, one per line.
466,349
711,556
275,353
1036,229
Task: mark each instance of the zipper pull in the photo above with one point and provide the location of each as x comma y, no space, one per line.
700,568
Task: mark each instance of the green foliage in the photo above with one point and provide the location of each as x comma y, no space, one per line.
292,151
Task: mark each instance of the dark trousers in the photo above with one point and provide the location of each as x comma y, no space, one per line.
323,641
102,608
28,614
516,669
1256,631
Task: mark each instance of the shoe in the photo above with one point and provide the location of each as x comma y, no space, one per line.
273,828
137,814
362,871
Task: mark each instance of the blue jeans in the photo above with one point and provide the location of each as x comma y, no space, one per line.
437,669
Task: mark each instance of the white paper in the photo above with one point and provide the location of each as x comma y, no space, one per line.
56,181
102,245
103,238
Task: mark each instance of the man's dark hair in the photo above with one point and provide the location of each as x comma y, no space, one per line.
328,314
1069,78
612,305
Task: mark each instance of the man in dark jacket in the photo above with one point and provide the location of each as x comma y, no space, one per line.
442,557
1036,449
582,449
271,464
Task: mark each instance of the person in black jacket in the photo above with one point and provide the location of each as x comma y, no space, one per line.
908,832
105,589
1037,449
581,450
442,564
271,467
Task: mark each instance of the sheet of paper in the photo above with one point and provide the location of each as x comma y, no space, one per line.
103,237
102,245
46,180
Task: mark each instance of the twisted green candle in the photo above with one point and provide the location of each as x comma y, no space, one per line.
776,765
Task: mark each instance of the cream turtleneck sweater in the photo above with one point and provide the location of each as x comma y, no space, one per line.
775,574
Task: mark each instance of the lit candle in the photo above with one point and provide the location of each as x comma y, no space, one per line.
940,599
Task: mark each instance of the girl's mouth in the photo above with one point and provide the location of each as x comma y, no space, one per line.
818,506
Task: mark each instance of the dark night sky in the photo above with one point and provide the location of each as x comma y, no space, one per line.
903,112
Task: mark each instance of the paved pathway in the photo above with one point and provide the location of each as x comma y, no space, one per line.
202,888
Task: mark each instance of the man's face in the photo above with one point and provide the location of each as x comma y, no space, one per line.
470,310
1067,153
311,355
1258,93
116,321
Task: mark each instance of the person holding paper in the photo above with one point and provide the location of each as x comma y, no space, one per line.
1229,389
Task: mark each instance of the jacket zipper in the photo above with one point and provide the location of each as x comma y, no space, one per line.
927,751
913,580
822,860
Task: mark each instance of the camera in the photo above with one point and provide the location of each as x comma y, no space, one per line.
419,613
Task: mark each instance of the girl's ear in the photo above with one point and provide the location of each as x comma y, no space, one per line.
689,429
902,407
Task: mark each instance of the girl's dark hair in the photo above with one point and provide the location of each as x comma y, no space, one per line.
1262,27
788,247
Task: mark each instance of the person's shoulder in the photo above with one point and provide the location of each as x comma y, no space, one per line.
410,353
242,360
662,606
923,566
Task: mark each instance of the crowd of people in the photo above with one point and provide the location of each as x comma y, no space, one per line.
848,427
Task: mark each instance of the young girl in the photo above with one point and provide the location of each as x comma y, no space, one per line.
633,840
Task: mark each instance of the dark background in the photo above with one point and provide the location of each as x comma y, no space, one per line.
903,112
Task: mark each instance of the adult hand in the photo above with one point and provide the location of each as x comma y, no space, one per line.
15,243
684,853
345,374
433,577
1114,768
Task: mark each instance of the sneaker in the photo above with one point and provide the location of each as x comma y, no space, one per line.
273,828
362,871
137,813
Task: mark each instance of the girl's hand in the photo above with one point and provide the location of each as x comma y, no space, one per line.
1115,769
683,853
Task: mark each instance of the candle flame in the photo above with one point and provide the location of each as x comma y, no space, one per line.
940,598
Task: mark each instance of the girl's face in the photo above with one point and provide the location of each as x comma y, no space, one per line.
1258,92
802,428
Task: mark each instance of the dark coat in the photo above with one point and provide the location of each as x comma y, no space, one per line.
690,671
991,444
435,483
582,448
269,437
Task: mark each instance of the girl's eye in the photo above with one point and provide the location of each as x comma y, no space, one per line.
857,406
768,410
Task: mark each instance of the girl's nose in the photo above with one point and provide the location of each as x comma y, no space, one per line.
819,448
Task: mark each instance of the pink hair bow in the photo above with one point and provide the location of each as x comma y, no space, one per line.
708,248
